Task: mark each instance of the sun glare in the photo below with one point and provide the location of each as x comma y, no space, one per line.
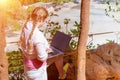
3,3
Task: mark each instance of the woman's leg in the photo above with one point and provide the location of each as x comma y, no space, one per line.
59,65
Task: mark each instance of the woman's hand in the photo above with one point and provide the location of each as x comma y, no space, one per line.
49,50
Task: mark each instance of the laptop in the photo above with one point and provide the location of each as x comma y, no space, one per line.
59,44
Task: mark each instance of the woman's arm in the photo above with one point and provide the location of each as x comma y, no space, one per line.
41,52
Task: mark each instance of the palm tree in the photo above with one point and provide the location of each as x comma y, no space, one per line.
81,58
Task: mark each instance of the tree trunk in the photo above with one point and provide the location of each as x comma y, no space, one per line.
3,58
84,24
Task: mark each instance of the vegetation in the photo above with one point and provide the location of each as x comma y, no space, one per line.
113,10
75,34
15,68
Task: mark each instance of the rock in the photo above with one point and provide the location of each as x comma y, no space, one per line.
101,63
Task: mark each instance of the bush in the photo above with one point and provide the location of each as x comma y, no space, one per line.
15,69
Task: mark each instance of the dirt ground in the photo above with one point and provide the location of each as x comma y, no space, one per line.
69,58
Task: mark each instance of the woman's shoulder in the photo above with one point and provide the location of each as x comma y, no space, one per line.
38,33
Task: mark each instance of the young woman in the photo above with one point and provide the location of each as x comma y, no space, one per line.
34,45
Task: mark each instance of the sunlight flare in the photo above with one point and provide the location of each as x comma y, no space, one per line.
3,3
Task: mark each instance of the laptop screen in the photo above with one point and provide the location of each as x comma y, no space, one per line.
60,41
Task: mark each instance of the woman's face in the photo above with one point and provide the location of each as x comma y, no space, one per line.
41,16
40,21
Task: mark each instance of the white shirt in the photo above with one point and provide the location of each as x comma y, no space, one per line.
38,40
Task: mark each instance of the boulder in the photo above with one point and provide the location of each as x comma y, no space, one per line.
103,63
